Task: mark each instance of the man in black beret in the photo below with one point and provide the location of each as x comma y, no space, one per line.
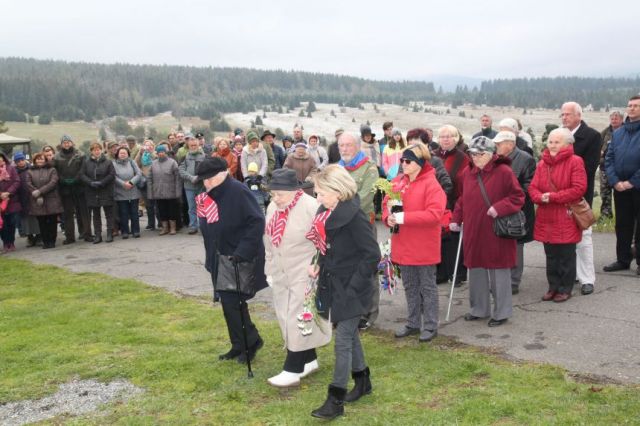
232,224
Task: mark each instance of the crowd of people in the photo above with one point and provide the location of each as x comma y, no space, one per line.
302,218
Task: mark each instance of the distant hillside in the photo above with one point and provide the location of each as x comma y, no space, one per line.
70,91
74,91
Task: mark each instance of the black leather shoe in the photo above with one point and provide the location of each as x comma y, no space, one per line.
515,290
469,317
586,289
242,358
67,242
616,266
495,323
232,354
406,331
97,239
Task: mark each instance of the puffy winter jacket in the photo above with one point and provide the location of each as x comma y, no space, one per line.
554,223
623,155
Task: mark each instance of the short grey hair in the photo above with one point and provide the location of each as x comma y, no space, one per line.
346,135
574,106
566,134
616,112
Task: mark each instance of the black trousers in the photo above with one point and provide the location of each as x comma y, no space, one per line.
168,209
97,219
75,205
561,266
627,205
296,360
447,265
233,315
48,228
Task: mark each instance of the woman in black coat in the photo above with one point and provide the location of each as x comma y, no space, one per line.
349,255
232,226
99,175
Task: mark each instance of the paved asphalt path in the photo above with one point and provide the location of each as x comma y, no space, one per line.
596,335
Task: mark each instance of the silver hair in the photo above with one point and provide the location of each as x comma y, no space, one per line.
510,123
566,134
575,106
616,112
356,139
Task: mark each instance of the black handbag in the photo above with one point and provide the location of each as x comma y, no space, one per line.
511,226
226,276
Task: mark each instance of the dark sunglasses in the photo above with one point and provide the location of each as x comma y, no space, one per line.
405,161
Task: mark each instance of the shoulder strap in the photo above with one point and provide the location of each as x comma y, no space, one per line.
483,190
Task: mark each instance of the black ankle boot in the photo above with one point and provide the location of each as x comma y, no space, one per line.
362,386
232,354
333,406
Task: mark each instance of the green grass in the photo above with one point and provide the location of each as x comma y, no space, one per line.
56,325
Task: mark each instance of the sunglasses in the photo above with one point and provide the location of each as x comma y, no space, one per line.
405,161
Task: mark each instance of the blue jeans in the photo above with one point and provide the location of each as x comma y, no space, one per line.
191,202
128,211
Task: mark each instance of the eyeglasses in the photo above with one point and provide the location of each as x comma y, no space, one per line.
405,161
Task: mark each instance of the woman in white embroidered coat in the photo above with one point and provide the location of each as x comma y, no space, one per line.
288,256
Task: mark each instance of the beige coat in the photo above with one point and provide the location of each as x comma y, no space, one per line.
288,267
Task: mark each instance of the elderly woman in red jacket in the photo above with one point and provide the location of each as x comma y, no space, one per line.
559,179
488,257
423,202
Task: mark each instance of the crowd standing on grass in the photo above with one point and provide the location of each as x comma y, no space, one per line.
302,216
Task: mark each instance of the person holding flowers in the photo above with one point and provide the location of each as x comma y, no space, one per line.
419,225
349,255
288,253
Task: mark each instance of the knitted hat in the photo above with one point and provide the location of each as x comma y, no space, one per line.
161,148
300,145
65,138
253,167
251,136
396,131
19,156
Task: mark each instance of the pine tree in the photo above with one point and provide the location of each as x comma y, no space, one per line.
309,114
258,121
311,107
3,128
301,114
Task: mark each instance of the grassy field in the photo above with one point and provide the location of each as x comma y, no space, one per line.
55,325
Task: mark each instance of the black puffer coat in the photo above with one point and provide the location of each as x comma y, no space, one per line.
345,283
98,174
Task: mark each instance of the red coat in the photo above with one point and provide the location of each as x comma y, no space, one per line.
423,204
553,222
482,248
449,159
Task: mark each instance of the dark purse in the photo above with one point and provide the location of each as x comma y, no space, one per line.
226,276
511,226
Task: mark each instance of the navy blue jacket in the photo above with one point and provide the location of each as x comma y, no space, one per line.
623,155
238,231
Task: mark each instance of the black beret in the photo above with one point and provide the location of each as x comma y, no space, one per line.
211,167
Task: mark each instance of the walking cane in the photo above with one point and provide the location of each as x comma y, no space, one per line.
455,274
243,304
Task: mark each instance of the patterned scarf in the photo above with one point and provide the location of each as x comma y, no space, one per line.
207,208
317,233
359,160
275,227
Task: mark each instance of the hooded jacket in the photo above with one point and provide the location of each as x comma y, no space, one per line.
258,156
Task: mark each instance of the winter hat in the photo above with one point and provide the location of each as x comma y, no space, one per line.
112,144
130,138
366,130
238,139
504,135
266,133
253,167
210,167
65,138
161,148
314,136
339,132
396,131
237,131
19,156
251,136
482,144
510,124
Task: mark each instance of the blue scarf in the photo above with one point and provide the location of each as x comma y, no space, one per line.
356,162
146,159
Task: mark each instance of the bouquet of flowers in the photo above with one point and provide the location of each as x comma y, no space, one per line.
388,272
309,310
395,197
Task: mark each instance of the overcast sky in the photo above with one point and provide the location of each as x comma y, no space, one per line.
374,39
